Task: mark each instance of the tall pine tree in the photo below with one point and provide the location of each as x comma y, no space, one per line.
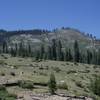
76,52
54,53
59,51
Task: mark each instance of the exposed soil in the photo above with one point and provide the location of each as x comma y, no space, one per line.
30,96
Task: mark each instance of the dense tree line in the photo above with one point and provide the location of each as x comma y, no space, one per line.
20,49
55,51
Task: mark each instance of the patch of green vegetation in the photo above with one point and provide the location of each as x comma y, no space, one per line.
26,84
95,85
2,62
57,69
52,84
79,84
75,63
42,73
2,74
12,74
40,90
71,71
4,95
63,86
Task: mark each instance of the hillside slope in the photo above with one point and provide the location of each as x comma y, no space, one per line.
36,37
73,79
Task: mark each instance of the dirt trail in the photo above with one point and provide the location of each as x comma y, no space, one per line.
28,95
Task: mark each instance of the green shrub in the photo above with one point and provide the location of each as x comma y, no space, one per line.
46,67
26,84
41,68
15,67
95,85
63,64
75,63
86,71
44,74
2,62
5,57
12,74
41,83
79,84
71,71
57,69
95,66
4,95
63,86
52,84
2,74
67,63
31,65
2,87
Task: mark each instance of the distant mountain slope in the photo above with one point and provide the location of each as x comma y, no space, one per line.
36,37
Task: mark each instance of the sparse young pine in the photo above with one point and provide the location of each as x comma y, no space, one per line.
54,53
76,52
13,53
52,84
59,50
29,50
37,56
66,55
49,54
94,58
98,57
16,49
42,51
62,56
70,55
20,51
88,57
4,47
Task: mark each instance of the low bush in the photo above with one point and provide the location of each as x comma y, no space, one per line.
41,83
67,63
95,85
2,87
86,71
31,65
41,68
12,74
2,74
63,64
26,84
75,63
52,84
4,95
95,66
5,57
2,62
15,67
44,74
57,69
63,86
71,71
79,84
46,67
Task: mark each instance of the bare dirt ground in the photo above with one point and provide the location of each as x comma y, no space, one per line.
30,96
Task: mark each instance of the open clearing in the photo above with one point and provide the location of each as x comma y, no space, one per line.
76,76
